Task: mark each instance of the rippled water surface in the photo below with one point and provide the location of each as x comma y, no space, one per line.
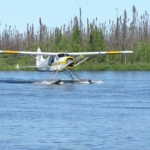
114,114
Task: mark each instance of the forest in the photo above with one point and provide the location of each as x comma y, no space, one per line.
121,34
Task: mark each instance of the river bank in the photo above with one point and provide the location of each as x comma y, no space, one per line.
90,67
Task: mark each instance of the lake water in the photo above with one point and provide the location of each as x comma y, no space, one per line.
112,115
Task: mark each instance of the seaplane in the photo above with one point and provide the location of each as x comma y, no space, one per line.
61,62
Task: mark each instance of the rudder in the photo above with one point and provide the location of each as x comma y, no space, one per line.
39,58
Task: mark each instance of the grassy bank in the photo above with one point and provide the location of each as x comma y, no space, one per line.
9,62
100,67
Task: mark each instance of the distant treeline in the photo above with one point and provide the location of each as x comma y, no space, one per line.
120,34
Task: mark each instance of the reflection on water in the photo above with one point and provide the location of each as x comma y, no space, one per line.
112,115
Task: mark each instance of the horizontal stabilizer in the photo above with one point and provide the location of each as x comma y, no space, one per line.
18,67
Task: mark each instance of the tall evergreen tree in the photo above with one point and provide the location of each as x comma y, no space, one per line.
58,37
76,36
96,40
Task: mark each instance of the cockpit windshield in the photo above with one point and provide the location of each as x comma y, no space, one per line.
62,55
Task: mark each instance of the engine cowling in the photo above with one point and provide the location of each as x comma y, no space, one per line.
70,62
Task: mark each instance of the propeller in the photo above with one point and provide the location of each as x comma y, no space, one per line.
70,62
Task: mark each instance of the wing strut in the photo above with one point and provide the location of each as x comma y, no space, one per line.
81,61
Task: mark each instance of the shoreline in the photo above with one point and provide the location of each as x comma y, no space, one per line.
96,67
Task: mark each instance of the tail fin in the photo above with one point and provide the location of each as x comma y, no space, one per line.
39,58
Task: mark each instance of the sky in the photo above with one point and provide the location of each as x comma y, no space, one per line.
56,13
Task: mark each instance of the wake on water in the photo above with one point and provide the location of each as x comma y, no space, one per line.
97,82
47,82
44,82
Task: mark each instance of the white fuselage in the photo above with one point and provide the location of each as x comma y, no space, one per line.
57,63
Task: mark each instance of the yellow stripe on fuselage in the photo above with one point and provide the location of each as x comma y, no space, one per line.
59,63
63,62
10,52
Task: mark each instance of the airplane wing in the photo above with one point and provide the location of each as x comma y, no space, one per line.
101,53
72,53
